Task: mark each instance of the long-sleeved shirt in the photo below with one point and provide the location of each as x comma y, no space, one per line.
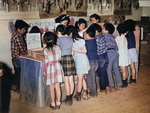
110,41
18,46
101,44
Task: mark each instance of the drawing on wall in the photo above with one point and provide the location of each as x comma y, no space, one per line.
33,40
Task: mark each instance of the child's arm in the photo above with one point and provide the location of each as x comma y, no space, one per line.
79,50
83,30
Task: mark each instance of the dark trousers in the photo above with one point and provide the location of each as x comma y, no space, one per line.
102,71
16,76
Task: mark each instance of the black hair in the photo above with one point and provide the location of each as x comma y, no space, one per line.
80,21
91,32
96,16
96,27
121,29
61,28
62,18
109,27
35,29
68,30
19,24
48,39
129,25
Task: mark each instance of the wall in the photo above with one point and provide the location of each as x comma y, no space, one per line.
136,14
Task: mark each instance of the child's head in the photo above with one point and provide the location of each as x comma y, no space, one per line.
108,28
21,26
60,30
95,18
49,39
80,24
97,28
90,33
63,19
121,29
35,29
129,25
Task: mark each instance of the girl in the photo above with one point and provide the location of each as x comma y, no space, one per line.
65,43
81,26
124,59
81,60
130,27
54,72
63,20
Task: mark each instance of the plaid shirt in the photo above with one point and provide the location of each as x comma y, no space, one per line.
101,44
110,41
18,46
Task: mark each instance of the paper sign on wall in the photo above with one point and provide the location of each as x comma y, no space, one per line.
33,40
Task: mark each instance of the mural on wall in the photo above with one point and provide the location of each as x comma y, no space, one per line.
123,7
99,6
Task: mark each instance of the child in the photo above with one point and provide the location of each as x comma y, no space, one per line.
112,58
102,60
92,56
65,43
94,18
54,73
63,20
124,59
81,62
18,48
130,27
80,26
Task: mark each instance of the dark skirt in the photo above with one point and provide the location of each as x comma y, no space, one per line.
68,65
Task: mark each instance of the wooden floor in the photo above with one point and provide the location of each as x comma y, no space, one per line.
133,99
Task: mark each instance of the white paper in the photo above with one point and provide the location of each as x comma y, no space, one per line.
33,40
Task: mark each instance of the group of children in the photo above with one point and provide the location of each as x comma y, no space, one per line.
88,52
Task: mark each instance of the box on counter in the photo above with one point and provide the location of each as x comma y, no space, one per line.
35,53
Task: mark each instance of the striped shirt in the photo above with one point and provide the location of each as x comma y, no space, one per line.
110,41
18,46
101,44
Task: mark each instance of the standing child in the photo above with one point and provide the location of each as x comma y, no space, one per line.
130,27
65,43
92,56
102,60
113,65
54,72
124,59
82,65
18,48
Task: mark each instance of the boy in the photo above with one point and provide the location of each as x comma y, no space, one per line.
102,60
18,48
92,56
112,58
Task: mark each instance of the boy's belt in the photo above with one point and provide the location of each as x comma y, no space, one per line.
110,49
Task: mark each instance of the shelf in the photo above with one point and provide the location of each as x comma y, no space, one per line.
18,15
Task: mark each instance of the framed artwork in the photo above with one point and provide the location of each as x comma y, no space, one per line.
33,40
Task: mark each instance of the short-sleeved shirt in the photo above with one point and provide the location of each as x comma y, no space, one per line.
130,39
65,44
18,46
91,47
